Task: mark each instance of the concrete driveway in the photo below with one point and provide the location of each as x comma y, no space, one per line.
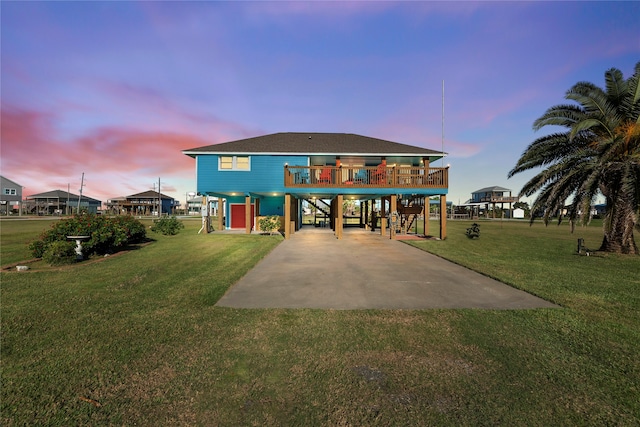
366,271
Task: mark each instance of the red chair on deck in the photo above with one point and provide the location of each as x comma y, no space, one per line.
325,175
379,176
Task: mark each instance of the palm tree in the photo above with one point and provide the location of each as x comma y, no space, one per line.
599,153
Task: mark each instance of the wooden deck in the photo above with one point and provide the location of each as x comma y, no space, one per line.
365,177
499,199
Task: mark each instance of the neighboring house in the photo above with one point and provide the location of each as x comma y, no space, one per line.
490,196
600,210
273,174
145,203
194,205
59,202
11,196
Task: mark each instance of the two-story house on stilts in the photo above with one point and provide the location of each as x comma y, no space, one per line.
273,174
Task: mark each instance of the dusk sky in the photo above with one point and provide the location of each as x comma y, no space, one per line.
118,89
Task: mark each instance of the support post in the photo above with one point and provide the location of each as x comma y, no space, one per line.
206,220
332,215
220,213
339,220
247,214
295,209
383,216
366,214
443,217
426,209
287,215
394,210
383,207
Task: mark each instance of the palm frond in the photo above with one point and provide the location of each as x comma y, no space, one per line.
616,86
634,87
548,150
587,124
560,115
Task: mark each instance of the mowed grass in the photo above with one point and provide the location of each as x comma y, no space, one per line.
15,234
136,339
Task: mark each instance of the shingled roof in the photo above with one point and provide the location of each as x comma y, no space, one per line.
149,195
60,194
313,143
494,189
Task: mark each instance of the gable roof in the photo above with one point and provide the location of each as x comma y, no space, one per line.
149,195
314,143
62,195
493,189
5,180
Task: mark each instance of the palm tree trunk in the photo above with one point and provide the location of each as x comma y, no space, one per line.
620,220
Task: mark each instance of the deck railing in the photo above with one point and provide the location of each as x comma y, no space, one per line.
499,199
365,177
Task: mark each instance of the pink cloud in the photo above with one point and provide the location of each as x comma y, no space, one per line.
116,161
460,149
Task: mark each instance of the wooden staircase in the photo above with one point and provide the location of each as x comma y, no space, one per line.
325,210
409,210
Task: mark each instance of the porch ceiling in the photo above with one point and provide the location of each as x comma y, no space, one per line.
323,194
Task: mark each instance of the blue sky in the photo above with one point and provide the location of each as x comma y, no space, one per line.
117,89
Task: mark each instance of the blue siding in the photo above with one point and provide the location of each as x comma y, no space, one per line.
271,206
266,174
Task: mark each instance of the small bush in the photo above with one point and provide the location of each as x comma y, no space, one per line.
269,224
127,230
37,248
60,253
168,225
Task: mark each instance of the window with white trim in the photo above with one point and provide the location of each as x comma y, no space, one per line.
10,191
234,163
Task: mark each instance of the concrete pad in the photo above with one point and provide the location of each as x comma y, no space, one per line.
366,271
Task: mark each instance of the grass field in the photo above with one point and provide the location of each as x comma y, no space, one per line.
136,339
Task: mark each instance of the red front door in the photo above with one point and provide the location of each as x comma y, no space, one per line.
238,216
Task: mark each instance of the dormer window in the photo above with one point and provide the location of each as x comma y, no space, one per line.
234,163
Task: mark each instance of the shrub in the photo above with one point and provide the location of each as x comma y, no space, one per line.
59,253
107,234
168,225
269,224
37,248
128,229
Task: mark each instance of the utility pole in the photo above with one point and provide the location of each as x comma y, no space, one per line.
159,200
80,196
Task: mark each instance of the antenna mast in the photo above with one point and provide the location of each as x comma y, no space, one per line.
442,123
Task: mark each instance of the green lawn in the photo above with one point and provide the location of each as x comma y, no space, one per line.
136,339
